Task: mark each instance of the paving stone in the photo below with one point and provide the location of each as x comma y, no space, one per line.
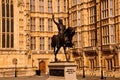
45,78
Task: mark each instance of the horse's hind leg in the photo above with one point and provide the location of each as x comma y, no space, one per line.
56,54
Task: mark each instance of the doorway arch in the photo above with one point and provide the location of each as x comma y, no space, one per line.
42,67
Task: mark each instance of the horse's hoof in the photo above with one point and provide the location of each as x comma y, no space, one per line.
67,60
56,60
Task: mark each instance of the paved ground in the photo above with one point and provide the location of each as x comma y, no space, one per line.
26,78
96,78
45,78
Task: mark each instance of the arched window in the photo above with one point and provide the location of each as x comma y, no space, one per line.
7,24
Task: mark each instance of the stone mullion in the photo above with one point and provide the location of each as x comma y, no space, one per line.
119,58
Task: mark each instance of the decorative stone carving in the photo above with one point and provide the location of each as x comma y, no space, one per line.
20,2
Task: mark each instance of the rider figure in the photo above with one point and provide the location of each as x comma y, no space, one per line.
61,28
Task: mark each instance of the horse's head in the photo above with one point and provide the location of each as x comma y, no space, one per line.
71,31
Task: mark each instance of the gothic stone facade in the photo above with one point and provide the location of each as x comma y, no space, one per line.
26,29
97,40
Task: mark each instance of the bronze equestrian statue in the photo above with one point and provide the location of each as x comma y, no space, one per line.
61,29
63,39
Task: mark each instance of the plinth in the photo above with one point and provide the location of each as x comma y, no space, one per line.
62,71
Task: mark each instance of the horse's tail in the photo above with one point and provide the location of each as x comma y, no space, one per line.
53,43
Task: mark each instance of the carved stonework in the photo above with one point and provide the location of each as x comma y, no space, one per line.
27,41
20,3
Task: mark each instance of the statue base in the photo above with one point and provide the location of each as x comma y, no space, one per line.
62,71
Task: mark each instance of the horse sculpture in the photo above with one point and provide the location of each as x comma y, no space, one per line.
65,41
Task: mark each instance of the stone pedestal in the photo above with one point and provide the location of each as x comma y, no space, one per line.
62,71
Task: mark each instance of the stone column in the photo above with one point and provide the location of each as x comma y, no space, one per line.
100,64
84,65
100,57
85,61
119,57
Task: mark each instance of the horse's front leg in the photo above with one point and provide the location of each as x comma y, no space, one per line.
55,53
67,59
